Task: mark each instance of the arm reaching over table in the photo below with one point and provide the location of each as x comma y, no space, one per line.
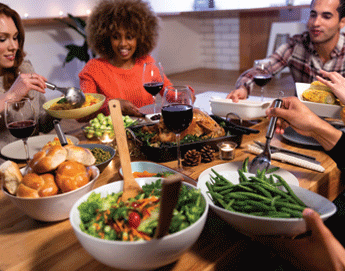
336,82
319,251
309,125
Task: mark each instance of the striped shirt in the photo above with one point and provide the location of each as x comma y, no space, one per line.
302,59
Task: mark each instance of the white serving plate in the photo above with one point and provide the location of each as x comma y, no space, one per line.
15,150
322,110
245,109
255,225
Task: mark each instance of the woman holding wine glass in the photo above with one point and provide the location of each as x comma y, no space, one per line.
17,76
123,43
177,113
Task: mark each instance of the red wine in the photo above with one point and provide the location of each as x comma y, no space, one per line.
22,129
177,117
153,88
262,80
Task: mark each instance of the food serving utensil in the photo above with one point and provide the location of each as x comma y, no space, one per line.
169,197
60,134
263,160
74,96
130,187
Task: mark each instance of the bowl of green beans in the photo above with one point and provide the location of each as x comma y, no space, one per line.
104,154
265,203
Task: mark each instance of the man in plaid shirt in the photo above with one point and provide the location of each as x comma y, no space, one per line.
321,47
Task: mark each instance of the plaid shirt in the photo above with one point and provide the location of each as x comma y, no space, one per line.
302,59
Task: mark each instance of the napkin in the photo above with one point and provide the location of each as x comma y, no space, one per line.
283,157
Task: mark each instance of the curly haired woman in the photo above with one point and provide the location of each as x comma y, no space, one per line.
122,33
17,76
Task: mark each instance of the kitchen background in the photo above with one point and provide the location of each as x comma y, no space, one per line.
189,39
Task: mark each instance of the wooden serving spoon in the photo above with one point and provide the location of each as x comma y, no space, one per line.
130,187
169,197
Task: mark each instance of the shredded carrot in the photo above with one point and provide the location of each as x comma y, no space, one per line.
101,234
145,173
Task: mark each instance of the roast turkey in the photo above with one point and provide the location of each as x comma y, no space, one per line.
202,126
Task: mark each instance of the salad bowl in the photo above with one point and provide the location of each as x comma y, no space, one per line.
136,255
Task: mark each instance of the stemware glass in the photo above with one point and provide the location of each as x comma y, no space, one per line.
153,79
263,74
177,113
20,119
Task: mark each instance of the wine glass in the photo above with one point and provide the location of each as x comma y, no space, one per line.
177,112
20,119
263,74
153,79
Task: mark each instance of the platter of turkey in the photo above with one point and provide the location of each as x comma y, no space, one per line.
157,143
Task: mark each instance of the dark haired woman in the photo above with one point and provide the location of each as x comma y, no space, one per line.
122,33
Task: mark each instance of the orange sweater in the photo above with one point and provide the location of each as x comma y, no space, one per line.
99,76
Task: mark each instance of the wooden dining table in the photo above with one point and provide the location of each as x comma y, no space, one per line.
27,244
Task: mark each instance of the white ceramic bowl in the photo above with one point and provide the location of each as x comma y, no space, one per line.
245,109
53,208
139,255
255,225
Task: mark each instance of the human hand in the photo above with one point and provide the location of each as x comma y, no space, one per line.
336,83
24,83
238,94
318,251
129,109
290,115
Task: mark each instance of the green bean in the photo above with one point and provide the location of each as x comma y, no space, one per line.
223,187
292,212
243,177
289,190
245,165
273,169
289,205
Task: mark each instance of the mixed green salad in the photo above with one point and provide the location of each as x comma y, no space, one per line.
136,219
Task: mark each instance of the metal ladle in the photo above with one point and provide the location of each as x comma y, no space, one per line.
74,96
263,160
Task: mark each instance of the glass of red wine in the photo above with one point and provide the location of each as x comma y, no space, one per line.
177,113
263,74
153,79
20,119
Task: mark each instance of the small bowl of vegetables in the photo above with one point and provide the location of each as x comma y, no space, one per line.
104,154
121,235
101,127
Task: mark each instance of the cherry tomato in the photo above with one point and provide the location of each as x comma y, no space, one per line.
134,220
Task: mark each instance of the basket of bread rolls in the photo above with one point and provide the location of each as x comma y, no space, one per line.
56,177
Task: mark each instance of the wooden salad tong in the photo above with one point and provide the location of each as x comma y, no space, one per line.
130,187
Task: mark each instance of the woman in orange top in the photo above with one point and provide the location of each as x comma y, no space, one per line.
123,33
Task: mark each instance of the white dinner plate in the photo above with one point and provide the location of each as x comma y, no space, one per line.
230,172
322,110
15,150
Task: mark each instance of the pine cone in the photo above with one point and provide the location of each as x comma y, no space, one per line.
192,158
207,154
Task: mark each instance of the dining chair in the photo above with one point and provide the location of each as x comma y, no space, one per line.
280,32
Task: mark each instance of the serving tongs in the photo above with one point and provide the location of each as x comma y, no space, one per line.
263,160
130,187
74,96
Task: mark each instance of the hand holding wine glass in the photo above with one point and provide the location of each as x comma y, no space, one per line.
20,119
153,79
177,112
263,74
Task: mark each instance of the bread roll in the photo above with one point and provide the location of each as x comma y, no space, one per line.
48,159
35,186
10,176
80,155
71,175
